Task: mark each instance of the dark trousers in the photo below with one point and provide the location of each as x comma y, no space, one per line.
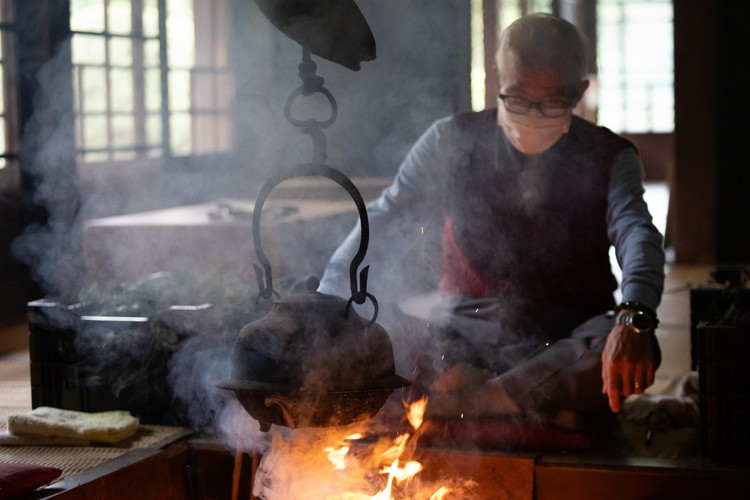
543,374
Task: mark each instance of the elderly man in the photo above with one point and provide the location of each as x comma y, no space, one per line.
528,198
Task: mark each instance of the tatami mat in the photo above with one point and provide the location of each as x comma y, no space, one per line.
15,397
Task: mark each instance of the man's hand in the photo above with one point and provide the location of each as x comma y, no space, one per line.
467,391
460,376
628,363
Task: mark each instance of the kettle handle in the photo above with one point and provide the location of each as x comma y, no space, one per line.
359,289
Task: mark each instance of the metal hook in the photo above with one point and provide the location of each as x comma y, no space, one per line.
311,84
358,289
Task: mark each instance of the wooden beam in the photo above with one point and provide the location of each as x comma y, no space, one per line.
693,222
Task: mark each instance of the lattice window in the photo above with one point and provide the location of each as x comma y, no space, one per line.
636,65
142,88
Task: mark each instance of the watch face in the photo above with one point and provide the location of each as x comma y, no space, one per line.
641,321
638,319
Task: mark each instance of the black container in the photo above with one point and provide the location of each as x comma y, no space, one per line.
720,347
724,373
98,363
715,305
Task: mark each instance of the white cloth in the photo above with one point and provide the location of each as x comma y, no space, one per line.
105,427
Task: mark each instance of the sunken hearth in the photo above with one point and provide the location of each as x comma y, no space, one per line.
202,469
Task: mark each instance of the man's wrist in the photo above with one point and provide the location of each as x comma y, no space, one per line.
638,315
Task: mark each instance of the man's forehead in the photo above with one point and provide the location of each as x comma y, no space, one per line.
518,75
550,74
536,83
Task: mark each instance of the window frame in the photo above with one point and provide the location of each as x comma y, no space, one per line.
10,172
163,150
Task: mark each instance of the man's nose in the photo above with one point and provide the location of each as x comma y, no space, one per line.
536,107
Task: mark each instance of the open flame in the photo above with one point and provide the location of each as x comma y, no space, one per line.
415,412
321,464
337,456
395,472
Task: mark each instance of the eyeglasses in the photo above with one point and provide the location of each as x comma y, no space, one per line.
551,108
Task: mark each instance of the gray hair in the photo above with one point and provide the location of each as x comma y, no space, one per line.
544,41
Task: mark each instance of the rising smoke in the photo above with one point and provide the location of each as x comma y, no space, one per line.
51,245
382,109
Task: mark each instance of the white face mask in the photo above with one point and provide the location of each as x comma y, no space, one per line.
532,133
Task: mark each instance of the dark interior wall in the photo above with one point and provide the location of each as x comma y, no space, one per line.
657,154
421,73
710,208
733,109
15,285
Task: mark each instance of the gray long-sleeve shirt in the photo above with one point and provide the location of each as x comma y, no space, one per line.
469,156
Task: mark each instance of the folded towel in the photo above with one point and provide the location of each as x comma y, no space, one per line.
674,405
105,427
8,439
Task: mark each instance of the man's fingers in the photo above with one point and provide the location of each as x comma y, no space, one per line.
643,376
627,365
614,401
639,379
626,376
610,387
650,374
605,378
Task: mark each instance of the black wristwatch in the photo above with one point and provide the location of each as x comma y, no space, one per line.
642,317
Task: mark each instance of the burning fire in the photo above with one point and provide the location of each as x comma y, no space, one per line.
354,467
337,455
394,472
415,413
